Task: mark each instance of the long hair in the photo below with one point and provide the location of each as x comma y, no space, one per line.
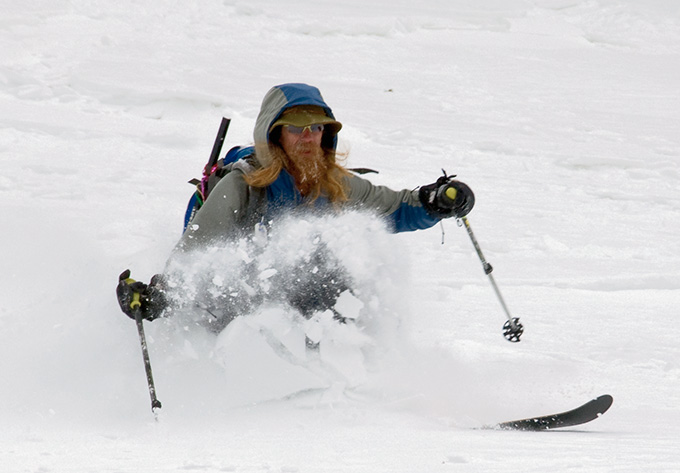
331,184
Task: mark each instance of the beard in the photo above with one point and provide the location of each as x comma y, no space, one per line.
309,165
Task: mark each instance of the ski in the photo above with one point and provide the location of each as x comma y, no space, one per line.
591,410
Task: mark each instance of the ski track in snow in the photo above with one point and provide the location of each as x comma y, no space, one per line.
562,115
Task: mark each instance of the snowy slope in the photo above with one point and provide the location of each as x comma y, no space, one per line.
562,115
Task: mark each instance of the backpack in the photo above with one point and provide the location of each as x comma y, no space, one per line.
214,171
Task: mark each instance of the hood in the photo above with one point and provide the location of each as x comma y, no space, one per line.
279,99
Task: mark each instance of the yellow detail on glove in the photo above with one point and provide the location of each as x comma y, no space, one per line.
451,193
135,301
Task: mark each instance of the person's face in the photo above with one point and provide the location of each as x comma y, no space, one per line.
301,145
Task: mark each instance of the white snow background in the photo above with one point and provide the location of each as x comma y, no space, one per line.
562,115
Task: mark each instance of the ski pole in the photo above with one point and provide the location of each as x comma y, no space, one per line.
136,306
512,329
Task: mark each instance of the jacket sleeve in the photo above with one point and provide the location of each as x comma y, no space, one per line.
402,209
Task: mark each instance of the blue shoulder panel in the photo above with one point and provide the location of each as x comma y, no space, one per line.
282,192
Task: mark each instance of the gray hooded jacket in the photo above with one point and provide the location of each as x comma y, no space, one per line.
234,207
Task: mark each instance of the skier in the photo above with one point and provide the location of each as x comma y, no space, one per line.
294,169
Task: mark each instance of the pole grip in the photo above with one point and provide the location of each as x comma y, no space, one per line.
446,195
136,301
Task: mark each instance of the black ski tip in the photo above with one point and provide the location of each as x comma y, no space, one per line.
604,402
589,411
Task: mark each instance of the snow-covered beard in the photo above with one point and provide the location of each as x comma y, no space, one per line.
309,165
315,170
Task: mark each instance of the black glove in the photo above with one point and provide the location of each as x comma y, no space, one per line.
447,198
149,298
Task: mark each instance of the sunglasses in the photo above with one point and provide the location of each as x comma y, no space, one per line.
298,130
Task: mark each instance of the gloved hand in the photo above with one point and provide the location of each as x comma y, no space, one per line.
149,298
447,198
